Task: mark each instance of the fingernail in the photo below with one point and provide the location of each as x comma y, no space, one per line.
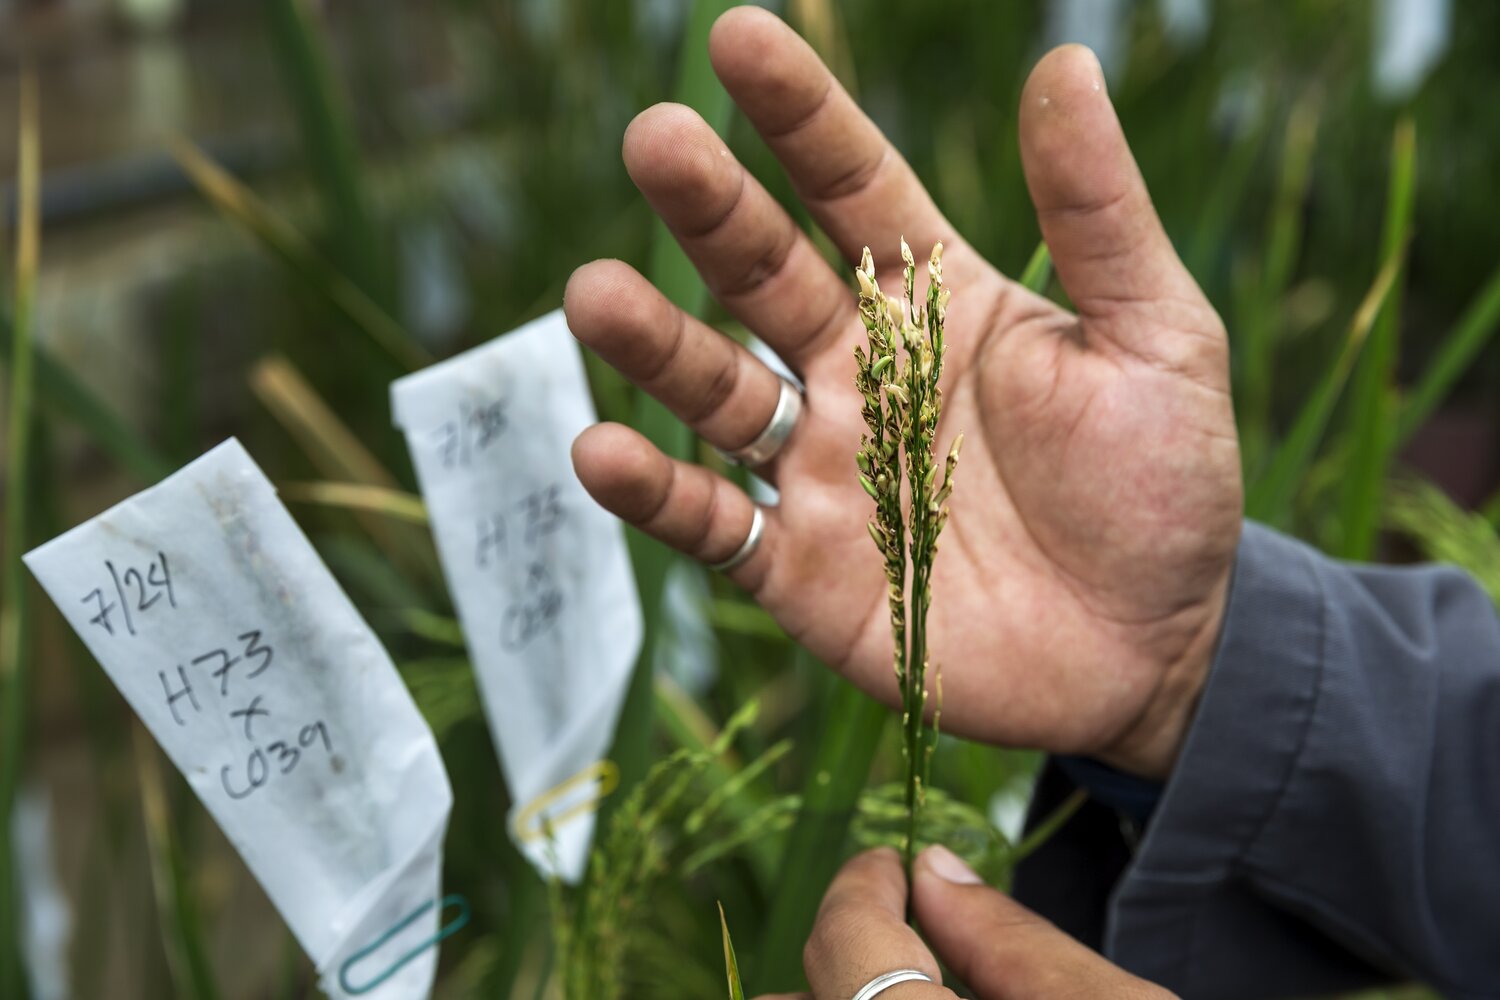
949,866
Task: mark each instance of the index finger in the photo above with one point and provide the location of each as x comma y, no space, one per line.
861,933
855,183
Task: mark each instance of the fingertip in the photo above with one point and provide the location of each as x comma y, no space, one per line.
604,298
1064,103
772,73
938,862
679,162
620,469
875,875
884,857
1061,79
740,35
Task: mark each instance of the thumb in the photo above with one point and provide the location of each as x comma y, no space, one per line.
1108,245
1000,948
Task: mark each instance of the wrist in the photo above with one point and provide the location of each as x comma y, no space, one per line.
1150,746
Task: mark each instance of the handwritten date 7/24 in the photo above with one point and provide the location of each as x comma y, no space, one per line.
132,592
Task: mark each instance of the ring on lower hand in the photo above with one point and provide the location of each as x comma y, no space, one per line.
881,983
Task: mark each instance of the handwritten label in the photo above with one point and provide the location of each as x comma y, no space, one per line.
214,616
538,571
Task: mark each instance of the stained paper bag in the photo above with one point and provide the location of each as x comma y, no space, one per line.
538,571
211,612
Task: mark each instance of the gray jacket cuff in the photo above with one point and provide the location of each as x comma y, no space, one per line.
1334,813
1185,884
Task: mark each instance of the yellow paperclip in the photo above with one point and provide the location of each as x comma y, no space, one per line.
527,825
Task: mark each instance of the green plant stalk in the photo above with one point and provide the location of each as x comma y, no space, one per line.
1038,271
1459,348
836,777
329,143
731,964
177,909
1283,247
672,273
302,260
63,395
1372,400
1269,498
13,639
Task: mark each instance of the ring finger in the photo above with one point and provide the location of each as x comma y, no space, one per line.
711,383
690,508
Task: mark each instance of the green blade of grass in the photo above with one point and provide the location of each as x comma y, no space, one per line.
836,776
62,395
13,639
1457,351
339,454
1372,401
328,141
675,276
398,505
1038,272
731,965
303,262
1044,830
176,905
1258,327
1269,498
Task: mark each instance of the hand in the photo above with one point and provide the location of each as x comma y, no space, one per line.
1082,578
995,945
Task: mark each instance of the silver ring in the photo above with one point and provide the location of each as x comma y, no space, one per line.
880,984
747,547
770,440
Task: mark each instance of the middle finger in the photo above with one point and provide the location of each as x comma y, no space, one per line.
752,256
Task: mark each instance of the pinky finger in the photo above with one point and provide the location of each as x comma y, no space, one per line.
697,512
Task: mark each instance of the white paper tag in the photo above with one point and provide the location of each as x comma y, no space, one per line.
538,571
214,616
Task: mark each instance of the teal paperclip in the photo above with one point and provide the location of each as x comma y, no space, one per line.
446,931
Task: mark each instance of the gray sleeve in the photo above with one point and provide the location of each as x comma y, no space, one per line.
1342,773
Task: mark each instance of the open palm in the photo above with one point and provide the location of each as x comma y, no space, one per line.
1082,577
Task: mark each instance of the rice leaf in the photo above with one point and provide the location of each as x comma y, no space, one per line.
731,966
1047,827
1459,347
13,638
329,143
302,261
1371,431
1038,272
1269,498
672,273
398,505
1257,329
176,905
847,742
340,455
61,394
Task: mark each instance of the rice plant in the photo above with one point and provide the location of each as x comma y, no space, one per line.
897,377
